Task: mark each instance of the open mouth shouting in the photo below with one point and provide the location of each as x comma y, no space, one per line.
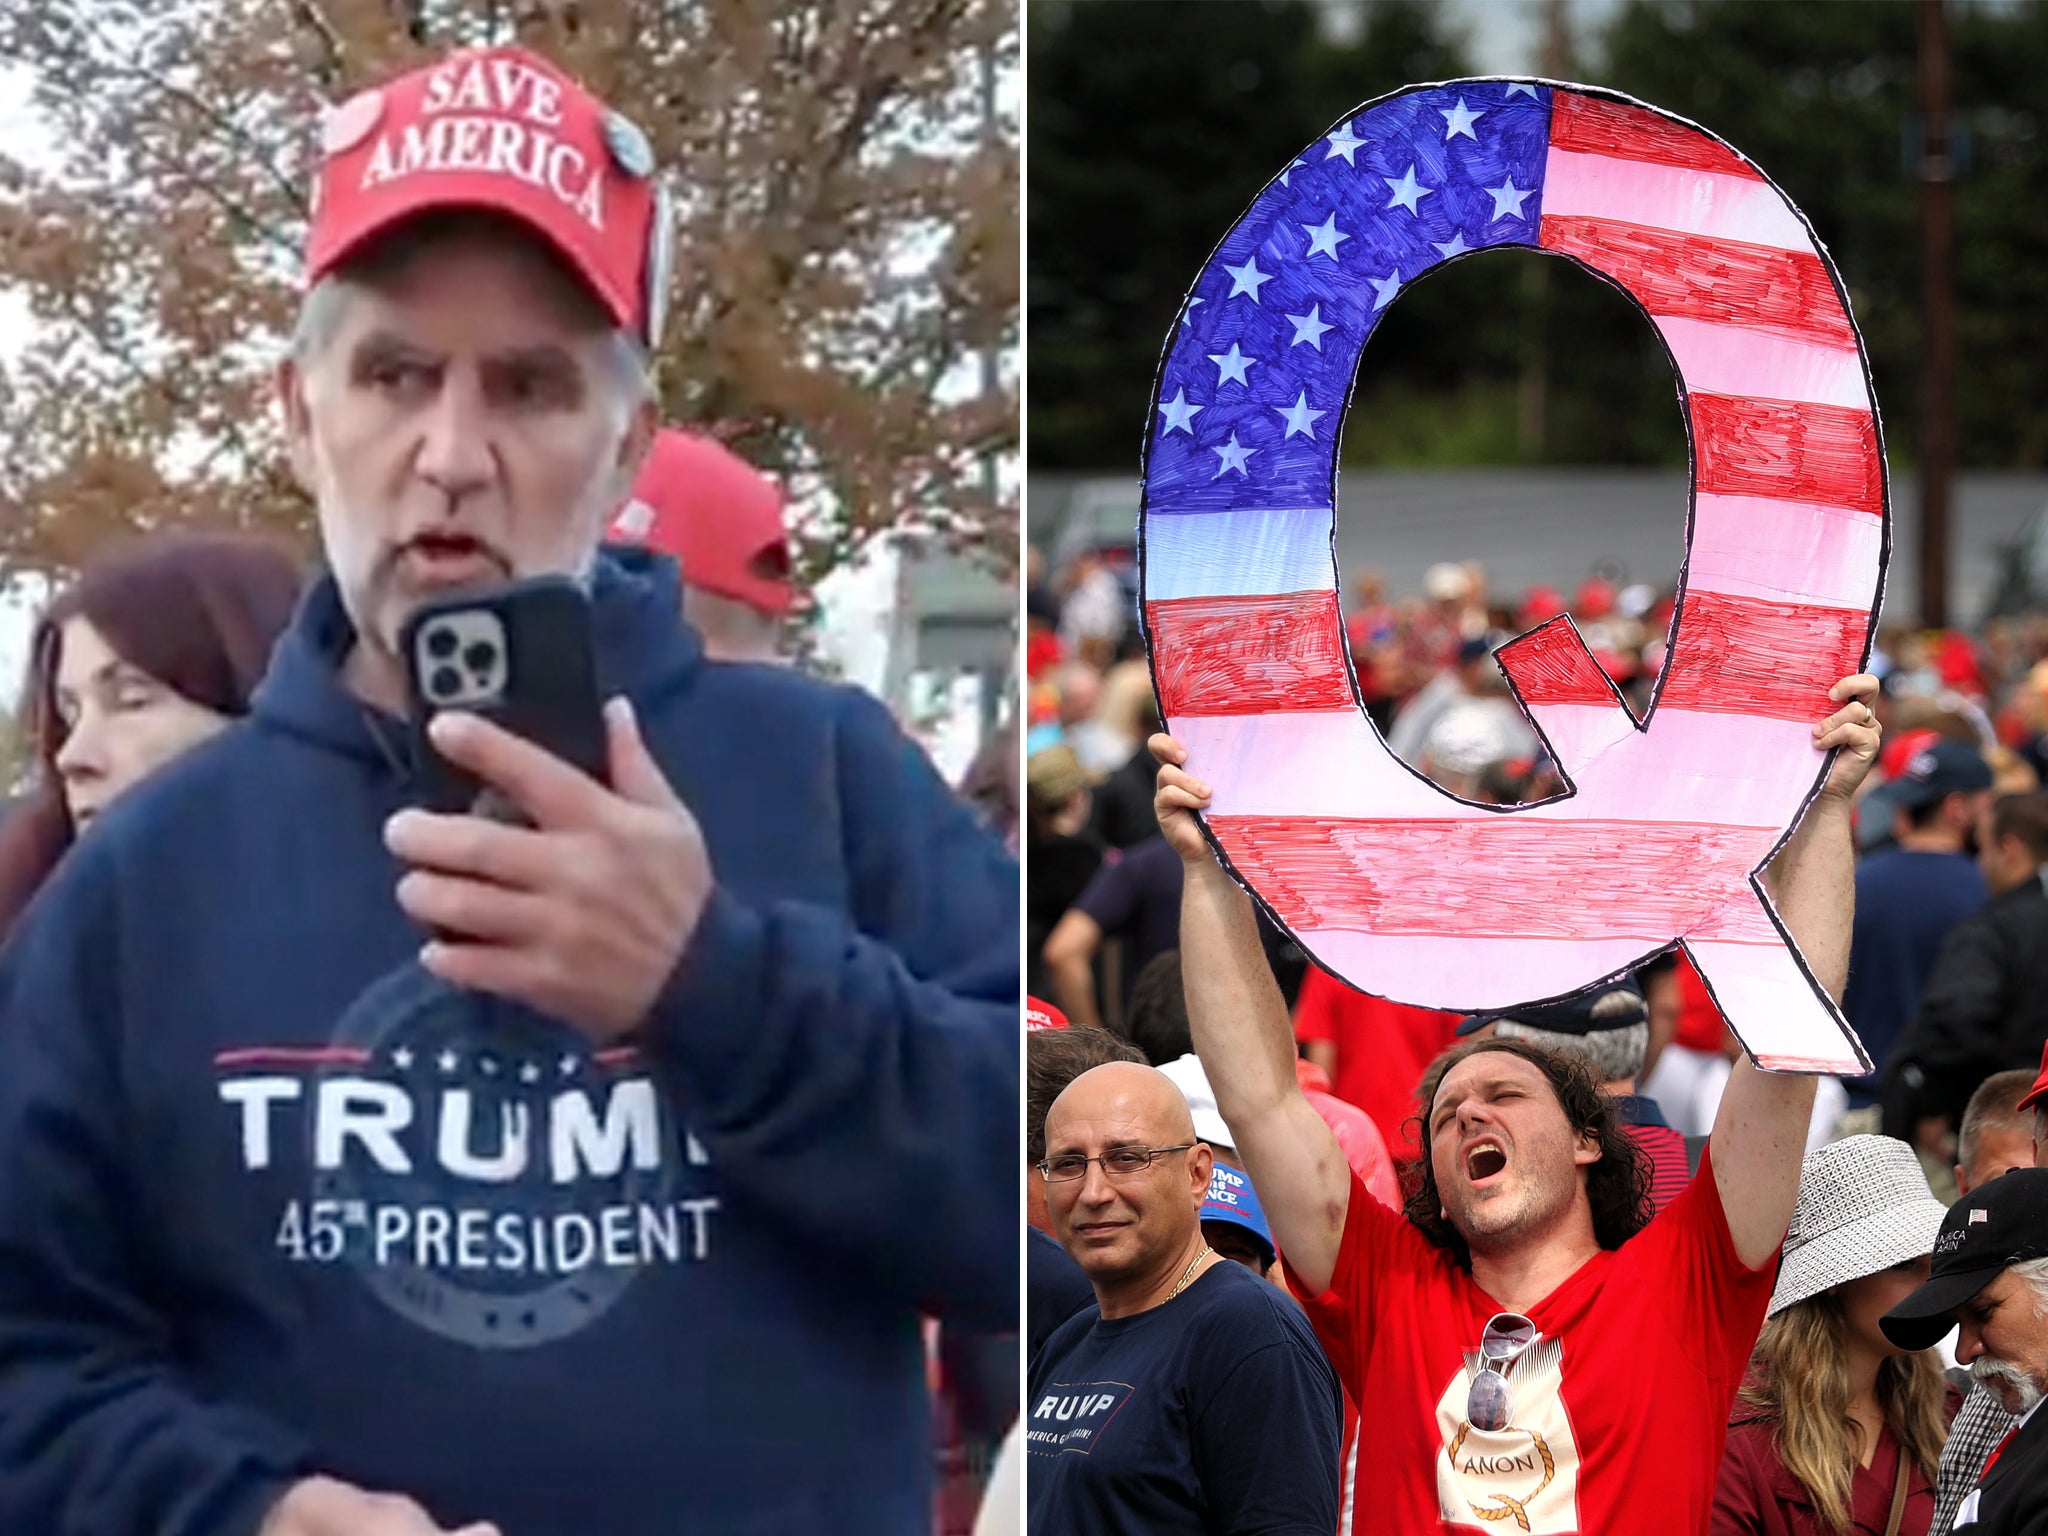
1485,1161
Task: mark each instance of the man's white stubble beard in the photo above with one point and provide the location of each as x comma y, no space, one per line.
1991,1371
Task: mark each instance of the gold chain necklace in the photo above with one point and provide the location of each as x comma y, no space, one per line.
1184,1279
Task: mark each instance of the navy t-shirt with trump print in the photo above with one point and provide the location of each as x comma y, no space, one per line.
1214,1412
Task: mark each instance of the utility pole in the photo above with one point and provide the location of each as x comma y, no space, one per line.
1937,311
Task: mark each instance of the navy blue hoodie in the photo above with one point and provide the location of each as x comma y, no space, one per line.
273,1201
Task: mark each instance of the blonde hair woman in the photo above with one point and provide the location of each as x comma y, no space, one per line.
1837,1431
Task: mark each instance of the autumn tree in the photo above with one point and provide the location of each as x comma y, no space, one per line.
844,309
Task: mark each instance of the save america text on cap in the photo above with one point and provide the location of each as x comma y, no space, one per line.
500,129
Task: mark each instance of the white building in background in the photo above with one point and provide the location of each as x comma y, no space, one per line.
930,633
20,601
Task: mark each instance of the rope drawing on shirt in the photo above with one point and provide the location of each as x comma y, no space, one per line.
1507,1503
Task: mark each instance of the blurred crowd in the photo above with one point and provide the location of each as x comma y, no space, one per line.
1947,985
1965,716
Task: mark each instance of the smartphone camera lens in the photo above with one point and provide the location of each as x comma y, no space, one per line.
445,682
481,658
441,644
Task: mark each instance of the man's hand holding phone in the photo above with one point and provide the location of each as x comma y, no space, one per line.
582,916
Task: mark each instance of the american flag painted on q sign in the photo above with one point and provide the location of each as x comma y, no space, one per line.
1400,888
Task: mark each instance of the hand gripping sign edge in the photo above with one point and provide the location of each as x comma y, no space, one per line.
1394,885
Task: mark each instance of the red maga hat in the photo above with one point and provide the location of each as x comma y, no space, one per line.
719,516
2038,1094
1039,1014
504,130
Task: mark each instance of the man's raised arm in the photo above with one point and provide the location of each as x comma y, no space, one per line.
1241,1032
1759,1136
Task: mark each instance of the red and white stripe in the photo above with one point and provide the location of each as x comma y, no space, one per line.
1782,567
1395,885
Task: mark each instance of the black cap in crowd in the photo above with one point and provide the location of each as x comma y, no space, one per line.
1615,1005
1940,769
1995,1226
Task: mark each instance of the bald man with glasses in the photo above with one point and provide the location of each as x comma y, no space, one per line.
1193,1398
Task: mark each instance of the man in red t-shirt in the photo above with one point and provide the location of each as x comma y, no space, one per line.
1612,1349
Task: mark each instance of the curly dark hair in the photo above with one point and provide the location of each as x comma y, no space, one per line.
1617,1186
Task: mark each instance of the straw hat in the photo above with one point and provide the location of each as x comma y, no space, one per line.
1054,775
1863,1206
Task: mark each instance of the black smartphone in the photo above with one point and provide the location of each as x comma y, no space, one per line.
519,655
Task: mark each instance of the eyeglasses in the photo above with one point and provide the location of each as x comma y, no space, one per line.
1490,1401
1118,1163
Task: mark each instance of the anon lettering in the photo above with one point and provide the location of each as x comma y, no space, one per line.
1492,1464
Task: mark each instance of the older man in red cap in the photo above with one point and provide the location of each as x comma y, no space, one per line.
721,520
373,1172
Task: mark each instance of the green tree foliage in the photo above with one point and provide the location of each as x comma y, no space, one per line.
1824,97
1152,126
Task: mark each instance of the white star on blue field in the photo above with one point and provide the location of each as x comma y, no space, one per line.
1269,338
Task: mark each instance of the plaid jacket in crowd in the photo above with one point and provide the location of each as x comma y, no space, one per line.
1980,1424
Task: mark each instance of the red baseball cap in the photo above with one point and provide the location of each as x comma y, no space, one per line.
1893,756
1039,1014
719,516
1540,603
2037,1094
505,130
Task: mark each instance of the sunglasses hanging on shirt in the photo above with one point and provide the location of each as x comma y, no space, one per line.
1490,1401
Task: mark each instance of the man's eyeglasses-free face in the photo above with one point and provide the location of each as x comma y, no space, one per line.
1118,1163
1490,1401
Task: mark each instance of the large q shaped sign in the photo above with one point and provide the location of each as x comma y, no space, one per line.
1391,883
